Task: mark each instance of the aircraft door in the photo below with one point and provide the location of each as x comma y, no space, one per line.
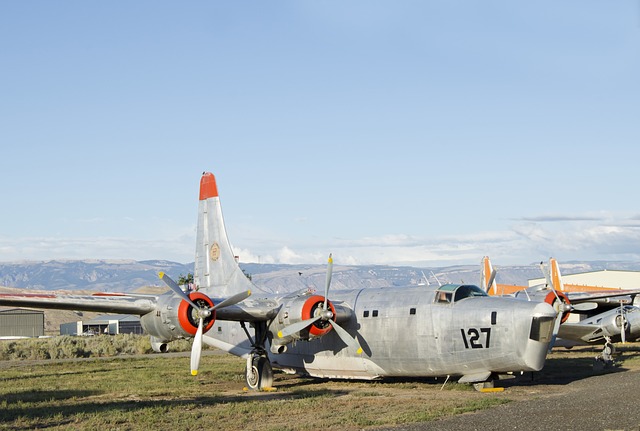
441,339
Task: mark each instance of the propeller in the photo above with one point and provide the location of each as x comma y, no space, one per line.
565,307
324,314
561,309
202,313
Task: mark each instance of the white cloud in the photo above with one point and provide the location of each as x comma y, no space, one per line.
567,238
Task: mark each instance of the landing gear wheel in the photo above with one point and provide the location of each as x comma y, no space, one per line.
483,385
259,375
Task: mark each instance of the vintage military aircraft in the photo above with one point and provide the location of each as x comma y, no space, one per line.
453,330
608,314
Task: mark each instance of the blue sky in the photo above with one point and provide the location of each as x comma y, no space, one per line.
409,132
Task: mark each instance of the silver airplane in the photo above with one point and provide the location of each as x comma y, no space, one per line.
609,317
453,330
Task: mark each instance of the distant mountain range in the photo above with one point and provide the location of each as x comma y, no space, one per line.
128,275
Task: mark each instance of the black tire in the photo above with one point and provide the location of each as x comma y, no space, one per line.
260,376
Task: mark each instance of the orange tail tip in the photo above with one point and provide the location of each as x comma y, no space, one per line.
556,278
208,187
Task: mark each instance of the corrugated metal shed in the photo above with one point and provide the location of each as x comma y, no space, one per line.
18,322
106,324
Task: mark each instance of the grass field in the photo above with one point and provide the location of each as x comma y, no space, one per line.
146,392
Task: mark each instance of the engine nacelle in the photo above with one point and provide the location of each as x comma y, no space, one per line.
614,323
552,299
159,346
174,318
305,307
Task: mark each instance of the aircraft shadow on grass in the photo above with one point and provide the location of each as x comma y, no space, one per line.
562,371
59,415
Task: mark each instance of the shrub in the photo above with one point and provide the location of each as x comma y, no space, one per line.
67,346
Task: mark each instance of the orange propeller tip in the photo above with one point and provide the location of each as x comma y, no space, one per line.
161,274
359,351
194,372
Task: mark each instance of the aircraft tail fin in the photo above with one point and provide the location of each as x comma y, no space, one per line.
488,277
216,266
556,277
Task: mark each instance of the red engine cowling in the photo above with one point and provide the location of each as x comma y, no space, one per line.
320,327
551,299
187,315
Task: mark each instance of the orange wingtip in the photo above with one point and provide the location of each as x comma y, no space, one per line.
208,187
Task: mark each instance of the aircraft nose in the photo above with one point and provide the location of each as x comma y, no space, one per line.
538,336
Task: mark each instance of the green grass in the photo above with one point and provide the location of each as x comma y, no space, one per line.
158,392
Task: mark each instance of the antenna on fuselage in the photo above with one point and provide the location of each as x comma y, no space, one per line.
434,276
426,280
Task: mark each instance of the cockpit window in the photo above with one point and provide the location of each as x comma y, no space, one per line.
457,292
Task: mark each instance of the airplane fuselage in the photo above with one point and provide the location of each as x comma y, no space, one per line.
406,332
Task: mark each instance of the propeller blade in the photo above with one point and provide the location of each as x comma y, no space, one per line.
584,306
328,281
174,286
346,337
196,349
547,276
297,327
556,328
232,300
492,278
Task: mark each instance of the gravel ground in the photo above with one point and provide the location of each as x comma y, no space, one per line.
604,402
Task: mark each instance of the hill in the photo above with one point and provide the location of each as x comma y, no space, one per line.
128,275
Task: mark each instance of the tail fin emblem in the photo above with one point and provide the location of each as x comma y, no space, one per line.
214,252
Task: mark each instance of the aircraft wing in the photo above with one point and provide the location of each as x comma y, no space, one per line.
577,331
603,298
249,310
100,302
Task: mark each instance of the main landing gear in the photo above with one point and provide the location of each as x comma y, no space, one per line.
605,359
258,372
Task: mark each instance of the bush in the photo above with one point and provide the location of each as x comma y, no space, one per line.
67,346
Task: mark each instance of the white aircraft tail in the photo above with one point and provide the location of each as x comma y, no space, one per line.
488,278
556,277
216,266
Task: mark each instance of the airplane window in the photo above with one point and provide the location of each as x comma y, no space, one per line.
412,311
366,313
457,292
375,313
444,297
468,291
